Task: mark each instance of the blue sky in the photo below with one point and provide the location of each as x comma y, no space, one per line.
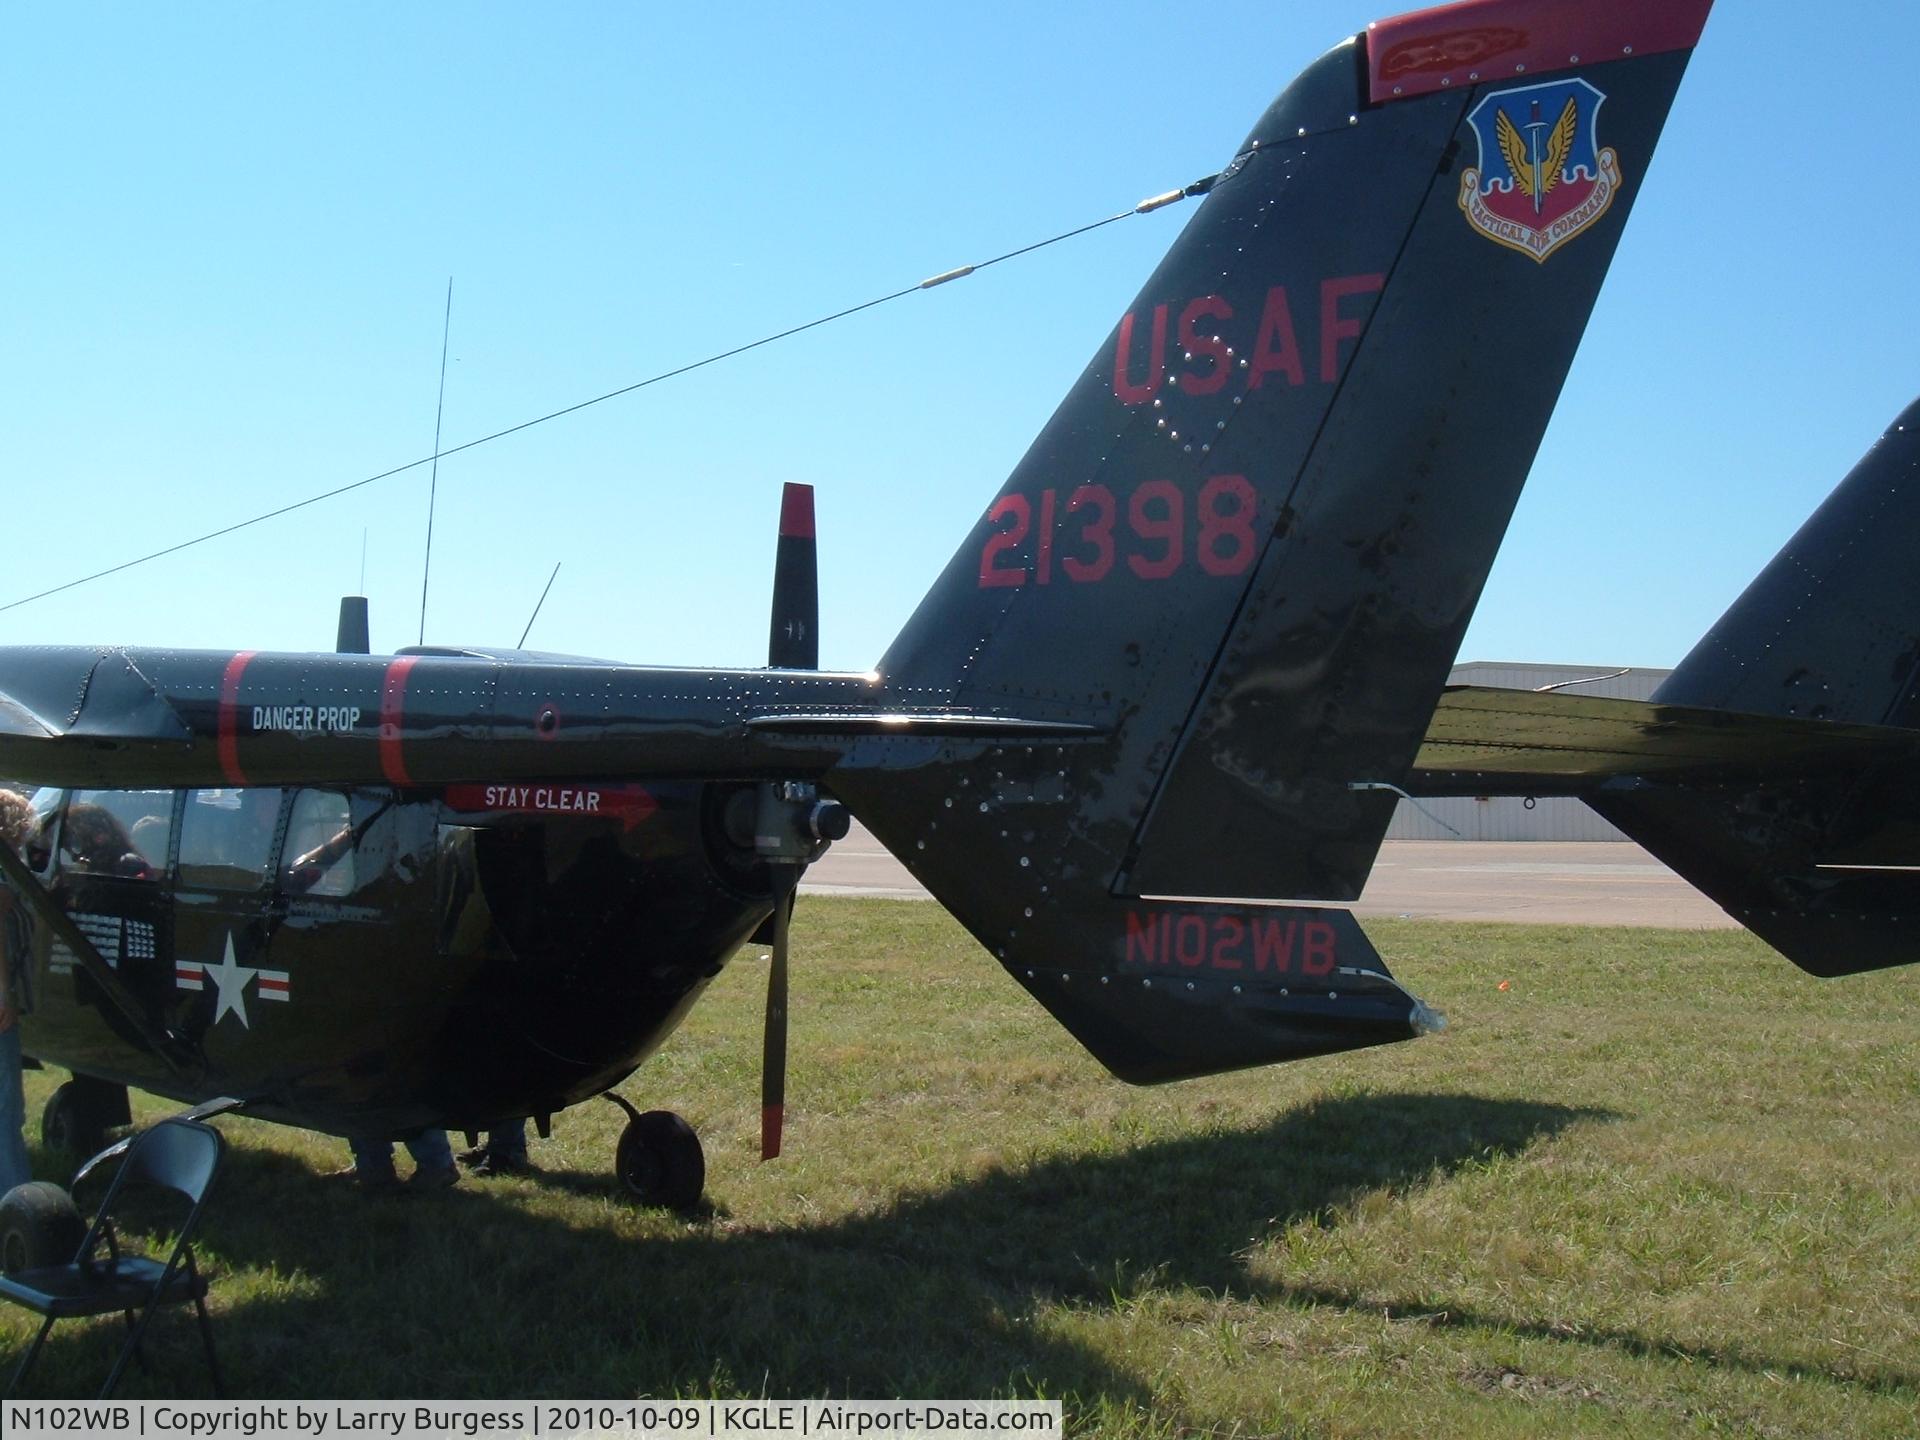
229,231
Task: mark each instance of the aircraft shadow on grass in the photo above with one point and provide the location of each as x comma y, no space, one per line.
937,1295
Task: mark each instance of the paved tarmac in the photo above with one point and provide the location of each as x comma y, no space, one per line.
1553,882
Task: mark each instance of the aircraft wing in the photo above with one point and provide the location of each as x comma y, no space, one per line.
18,722
114,717
1483,740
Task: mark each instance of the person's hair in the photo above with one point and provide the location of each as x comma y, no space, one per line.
94,833
16,818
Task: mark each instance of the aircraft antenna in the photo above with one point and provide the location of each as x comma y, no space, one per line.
1144,207
537,604
433,480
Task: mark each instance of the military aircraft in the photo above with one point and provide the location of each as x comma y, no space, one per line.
1142,736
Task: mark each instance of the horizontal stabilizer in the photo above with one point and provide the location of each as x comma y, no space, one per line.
1483,740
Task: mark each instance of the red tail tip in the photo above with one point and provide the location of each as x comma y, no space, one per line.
796,511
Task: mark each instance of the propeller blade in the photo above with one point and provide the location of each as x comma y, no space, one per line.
773,1054
793,641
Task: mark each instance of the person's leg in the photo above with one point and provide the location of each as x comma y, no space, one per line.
15,1168
372,1163
432,1160
509,1141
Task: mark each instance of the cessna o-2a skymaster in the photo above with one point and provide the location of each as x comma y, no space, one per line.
1192,650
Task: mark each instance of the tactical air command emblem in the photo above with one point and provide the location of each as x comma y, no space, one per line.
1542,178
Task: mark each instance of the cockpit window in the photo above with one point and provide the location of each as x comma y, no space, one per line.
226,838
320,845
46,811
122,833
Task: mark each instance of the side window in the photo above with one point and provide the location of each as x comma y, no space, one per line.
117,832
226,838
46,811
320,845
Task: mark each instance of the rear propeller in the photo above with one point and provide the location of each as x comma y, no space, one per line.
792,825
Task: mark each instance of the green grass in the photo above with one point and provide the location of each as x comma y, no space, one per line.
1664,1184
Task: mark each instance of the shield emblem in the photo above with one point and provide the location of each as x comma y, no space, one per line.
1542,176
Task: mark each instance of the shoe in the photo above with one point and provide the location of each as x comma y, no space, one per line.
493,1163
445,1178
473,1157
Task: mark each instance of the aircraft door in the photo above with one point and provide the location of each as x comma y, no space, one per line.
226,912
105,863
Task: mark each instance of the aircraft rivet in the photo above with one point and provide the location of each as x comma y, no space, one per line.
1236,989
1205,448
1303,130
1189,984
1029,974
1187,356
1029,912
1353,119
1283,992
1104,979
949,802
1065,979
1626,49
1519,69
1187,449
1221,424
1023,862
1333,994
983,807
1573,59
920,844
1146,984
1238,398
1173,434
1473,75
1445,80
1396,90
1156,404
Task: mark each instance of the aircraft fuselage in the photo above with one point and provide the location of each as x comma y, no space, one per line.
372,959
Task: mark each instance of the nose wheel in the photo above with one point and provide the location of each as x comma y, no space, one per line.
659,1161
80,1112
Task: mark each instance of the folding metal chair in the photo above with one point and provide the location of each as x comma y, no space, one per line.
178,1155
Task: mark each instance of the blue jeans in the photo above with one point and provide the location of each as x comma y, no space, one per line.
373,1159
15,1169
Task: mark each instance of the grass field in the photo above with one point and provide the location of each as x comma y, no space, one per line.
1663,1184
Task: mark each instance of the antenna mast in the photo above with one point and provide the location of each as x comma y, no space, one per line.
433,482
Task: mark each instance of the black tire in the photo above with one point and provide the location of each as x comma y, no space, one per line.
38,1226
75,1120
660,1161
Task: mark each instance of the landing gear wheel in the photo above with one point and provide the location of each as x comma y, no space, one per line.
38,1226
77,1117
660,1161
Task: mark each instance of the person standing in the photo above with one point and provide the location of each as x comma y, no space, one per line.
433,1167
16,825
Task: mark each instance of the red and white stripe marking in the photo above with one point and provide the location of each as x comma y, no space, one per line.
189,975
272,985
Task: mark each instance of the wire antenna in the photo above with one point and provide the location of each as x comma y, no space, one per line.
536,606
1147,206
433,481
